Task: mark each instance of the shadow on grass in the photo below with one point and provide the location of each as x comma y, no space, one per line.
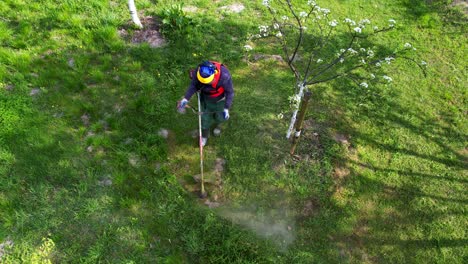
113,98
435,13
393,197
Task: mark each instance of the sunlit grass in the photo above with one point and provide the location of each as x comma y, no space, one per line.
85,176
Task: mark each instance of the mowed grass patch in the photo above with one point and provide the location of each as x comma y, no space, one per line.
408,166
80,177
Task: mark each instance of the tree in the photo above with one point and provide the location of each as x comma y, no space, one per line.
318,49
134,14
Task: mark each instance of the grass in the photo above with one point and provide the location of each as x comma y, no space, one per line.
85,177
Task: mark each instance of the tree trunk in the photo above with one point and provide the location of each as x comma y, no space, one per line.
293,118
300,121
134,14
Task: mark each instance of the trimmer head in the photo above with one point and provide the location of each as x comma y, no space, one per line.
203,195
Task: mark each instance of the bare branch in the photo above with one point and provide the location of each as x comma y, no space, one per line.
301,34
334,62
423,69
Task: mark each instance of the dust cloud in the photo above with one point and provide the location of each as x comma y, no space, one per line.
275,224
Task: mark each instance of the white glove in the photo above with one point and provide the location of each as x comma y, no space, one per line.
183,103
226,114
181,106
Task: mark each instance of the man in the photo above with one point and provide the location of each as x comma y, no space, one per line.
214,82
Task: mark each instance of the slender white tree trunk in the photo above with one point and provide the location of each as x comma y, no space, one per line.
134,14
294,116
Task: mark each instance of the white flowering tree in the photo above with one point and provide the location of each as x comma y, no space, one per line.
319,48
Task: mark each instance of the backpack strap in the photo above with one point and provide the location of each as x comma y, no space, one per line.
215,81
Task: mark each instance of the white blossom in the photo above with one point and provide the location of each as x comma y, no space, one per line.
266,3
333,23
350,22
358,29
325,11
378,64
423,63
387,78
279,35
362,49
311,3
363,84
263,30
364,21
248,47
341,60
280,116
392,22
342,50
376,28
303,14
370,53
285,18
319,61
295,100
372,76
276,26
363,61
352,51
407,45
388,60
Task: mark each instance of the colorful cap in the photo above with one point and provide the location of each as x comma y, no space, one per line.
206,72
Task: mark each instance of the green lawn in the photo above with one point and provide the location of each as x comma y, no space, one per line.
380,174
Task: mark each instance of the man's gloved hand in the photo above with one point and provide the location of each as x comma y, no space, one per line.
182,103
226,114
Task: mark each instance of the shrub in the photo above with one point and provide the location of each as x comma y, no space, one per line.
175,23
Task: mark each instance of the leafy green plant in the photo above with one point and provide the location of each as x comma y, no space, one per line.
175,22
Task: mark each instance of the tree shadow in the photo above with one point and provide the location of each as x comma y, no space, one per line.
110,99
127,93
394,194
428,13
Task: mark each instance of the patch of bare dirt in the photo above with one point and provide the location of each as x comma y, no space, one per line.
311,208
213,182
341,138
5,246
190,9
150,33
164,133
35,92
234,8
258,57
341,172
9,87
461,4
463,152
85,119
